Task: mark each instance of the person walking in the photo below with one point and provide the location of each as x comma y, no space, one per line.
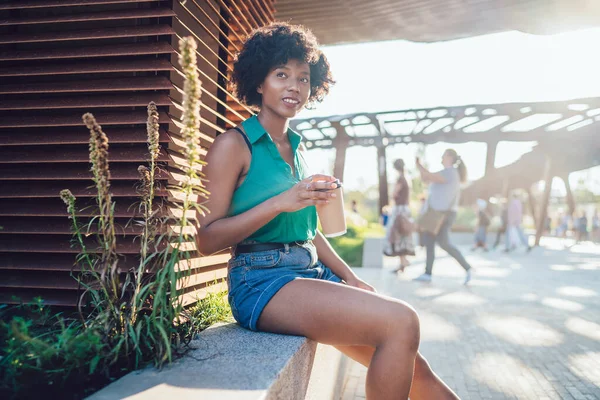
483,221
514,232
503,223
284,277
399,241
444,195
582,228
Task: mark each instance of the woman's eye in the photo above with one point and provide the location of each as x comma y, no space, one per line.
304,80
281,75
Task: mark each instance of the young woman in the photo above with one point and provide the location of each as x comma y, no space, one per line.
400,243
444,195
284,277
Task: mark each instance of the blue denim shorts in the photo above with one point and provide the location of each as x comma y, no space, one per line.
254,278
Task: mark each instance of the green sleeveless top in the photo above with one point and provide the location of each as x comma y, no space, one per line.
268,176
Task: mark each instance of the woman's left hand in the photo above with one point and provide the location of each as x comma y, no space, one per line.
359,283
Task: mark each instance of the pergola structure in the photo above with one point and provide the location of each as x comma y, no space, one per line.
352,21
551,124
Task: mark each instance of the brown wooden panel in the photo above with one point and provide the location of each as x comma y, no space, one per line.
74,135
70,171
59,225
88,34
37,280
82,101
33,189
24,4
71,153
52,262
56,244
92,85
192,295
54,206
139,64
74,119
89,51
91,16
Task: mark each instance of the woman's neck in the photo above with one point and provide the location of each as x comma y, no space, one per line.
275,125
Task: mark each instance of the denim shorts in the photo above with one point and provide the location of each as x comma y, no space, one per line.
254,278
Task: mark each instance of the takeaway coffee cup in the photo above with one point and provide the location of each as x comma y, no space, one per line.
333,220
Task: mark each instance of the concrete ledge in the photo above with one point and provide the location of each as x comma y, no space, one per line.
228,362
373,252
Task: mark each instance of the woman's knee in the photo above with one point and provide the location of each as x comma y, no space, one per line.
404,325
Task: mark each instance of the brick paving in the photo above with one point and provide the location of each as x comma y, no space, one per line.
528,327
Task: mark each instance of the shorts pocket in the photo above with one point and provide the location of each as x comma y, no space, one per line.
263,259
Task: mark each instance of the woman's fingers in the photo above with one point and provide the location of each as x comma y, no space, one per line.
311,194
320,185
314,202
319,179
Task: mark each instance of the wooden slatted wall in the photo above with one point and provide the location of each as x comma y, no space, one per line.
59,59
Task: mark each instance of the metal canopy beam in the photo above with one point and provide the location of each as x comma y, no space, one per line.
487,123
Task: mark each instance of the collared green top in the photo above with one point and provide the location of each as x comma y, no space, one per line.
268,176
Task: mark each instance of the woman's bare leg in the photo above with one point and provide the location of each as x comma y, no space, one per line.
426,384
336,314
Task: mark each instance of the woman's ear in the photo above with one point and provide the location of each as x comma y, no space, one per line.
259,89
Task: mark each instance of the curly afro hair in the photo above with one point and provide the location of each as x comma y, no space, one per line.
274,45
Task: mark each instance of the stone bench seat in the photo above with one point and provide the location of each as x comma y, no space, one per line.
227,362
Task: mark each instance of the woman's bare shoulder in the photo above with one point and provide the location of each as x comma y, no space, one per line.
229,144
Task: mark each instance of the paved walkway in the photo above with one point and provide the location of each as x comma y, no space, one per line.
528,327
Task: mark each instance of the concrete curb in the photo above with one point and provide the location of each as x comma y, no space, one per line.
228,362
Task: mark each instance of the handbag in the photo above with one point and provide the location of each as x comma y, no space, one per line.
403,225
431,221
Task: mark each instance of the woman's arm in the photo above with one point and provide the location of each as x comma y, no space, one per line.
334,262
224,163
427,176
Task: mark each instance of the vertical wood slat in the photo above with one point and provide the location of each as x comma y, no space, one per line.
119,55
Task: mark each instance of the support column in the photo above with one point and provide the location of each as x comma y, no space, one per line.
490,157
545,200
570,198
340,162
383,182
340,143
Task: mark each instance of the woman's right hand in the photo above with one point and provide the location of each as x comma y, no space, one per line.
307,192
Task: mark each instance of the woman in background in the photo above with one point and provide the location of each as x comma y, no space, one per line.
399,228
444,195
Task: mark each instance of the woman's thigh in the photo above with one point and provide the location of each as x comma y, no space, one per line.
336,314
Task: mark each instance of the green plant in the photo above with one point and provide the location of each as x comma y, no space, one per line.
42,350
210,310
128,318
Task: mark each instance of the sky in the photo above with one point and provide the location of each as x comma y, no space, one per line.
497,68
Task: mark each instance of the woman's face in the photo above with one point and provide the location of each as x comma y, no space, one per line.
447,159
286,88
